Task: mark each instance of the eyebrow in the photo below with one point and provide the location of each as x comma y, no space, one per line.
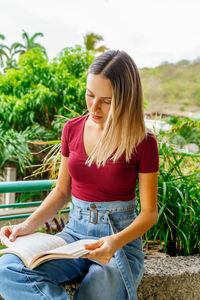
101,97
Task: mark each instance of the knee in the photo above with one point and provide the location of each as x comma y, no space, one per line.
98,277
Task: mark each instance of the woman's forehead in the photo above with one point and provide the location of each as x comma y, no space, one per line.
98,84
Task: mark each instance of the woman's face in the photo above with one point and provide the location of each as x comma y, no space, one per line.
98,98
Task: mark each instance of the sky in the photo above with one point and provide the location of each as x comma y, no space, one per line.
151,31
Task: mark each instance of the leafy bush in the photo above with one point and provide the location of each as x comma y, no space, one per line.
38,89
14,147
34,96
183,131
178,203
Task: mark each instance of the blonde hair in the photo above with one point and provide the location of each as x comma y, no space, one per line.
125,127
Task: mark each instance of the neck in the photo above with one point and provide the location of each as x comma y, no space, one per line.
98,127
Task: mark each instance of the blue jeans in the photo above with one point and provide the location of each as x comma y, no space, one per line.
116,280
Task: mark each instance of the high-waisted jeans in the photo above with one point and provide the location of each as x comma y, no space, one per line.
116,280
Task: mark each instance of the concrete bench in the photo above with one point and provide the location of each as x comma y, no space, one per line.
171,278
165,278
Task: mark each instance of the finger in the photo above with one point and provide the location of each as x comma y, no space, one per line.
13,235
101,260
6,231
95,253
93,245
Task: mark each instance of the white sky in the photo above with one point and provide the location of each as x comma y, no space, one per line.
151,31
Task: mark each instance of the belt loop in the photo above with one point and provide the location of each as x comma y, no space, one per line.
93,212
113,229
79,213
106,216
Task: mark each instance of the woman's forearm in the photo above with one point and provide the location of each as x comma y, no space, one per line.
49,207
143,222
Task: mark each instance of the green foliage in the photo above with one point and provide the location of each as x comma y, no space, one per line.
8,54
91,40
37,90
29,42
184,131
14,148
178,203
25,197
34,95
74,60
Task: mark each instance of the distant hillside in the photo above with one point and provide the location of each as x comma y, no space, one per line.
173,88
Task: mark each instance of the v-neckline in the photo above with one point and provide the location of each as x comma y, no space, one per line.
82,136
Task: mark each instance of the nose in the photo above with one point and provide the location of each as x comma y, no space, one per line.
96,104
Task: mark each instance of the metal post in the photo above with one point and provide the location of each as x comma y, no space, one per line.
10,175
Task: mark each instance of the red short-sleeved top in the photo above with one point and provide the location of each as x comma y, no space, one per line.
113,182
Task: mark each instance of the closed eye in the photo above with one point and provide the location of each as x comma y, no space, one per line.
107,102
102,99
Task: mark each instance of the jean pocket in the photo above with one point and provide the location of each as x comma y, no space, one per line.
121,223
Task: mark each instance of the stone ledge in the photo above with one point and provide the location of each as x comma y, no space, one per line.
165,278
171,278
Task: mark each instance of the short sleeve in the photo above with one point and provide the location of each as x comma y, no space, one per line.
149,156
64,141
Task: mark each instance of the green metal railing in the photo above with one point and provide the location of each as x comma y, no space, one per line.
25,186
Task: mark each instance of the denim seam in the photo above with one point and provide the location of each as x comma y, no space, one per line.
122,275
37,288
119,264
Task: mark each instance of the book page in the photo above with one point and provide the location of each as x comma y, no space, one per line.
31,245
72,250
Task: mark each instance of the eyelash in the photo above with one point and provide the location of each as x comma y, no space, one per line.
106,102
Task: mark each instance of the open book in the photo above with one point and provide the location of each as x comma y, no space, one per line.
36,248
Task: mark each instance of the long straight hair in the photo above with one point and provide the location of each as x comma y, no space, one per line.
125,127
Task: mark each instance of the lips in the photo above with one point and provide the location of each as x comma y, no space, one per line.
96,117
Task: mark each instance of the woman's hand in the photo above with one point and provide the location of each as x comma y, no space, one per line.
102,250
13,231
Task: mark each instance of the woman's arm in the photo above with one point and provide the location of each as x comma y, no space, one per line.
56,198
49,207
148,188
104,249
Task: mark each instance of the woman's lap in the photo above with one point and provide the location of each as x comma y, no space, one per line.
100,281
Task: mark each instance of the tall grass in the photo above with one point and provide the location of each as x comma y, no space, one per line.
178,225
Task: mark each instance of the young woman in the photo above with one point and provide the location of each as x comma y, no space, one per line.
104,153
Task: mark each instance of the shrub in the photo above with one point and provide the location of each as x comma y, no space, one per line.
178,203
